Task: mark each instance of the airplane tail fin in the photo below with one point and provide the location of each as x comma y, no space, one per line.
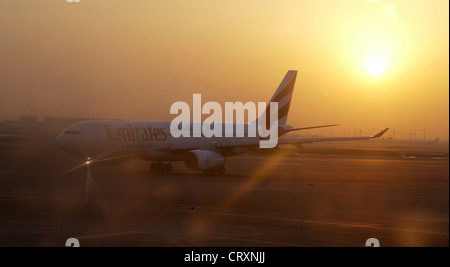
283,97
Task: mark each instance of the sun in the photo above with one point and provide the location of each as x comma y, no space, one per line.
376,66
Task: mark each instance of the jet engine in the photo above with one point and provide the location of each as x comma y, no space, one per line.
203,160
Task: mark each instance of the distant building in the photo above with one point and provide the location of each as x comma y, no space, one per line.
27,119
61,122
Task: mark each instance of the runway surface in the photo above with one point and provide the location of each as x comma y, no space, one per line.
263,200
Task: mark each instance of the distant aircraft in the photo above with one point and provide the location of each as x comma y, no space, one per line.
434,141
430,142
103,140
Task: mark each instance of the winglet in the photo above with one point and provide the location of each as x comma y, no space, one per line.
380,134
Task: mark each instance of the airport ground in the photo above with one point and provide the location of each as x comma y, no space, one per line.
311,197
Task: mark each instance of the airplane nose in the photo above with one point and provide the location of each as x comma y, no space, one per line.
59,141
69,144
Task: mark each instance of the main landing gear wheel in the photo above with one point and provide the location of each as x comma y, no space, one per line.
215,171
161,167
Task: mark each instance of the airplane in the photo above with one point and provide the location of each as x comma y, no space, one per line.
105,140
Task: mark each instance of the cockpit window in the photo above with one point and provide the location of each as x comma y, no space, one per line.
72,132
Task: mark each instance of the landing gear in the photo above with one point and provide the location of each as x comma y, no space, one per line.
168,168
215,171
161,167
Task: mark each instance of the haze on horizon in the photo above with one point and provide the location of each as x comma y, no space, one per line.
364,64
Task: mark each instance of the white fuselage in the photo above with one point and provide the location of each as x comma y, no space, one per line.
139,139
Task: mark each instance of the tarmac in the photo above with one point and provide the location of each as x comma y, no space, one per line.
272,199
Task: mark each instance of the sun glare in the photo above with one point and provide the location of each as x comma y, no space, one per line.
376,66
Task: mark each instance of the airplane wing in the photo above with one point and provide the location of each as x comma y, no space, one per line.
329,139
286,130
175,147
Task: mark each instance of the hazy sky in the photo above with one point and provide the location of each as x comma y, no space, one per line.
363,64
